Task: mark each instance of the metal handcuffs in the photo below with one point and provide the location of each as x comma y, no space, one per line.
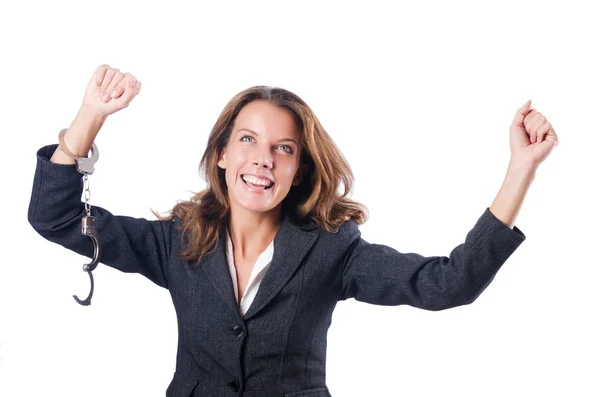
85,165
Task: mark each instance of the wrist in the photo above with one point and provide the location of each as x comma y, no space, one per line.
91,115
517,166
83,131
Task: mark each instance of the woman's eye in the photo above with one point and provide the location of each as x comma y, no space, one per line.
287,148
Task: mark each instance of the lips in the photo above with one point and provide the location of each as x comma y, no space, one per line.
257,182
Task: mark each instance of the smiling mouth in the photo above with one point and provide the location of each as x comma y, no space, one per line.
262,185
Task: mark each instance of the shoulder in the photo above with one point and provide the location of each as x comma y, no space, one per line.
347,233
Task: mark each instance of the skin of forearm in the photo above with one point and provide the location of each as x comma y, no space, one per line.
80,135
510,197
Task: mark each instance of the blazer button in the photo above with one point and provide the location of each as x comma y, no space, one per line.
235,386
239,330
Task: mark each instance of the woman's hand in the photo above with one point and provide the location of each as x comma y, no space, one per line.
532,137
109,91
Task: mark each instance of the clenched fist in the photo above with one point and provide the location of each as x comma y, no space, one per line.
109,90
532,137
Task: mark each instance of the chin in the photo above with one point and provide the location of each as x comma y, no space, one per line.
256,205
260,208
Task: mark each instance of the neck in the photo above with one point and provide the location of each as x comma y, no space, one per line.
252,232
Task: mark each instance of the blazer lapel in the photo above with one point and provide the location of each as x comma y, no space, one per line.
292,242
217,270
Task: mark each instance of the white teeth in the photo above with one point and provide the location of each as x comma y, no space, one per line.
257,181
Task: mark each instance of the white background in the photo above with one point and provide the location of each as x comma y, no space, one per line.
419,98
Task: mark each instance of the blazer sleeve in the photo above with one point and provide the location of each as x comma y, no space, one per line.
131,245
381,275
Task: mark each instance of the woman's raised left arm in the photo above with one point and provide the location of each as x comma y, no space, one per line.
379,274
532,138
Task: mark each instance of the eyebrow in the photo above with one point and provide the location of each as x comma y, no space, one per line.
254,133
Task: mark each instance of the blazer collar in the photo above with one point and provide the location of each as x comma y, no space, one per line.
292,242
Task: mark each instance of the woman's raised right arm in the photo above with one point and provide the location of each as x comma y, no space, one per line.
131,245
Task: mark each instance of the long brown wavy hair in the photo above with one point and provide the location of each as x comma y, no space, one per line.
316,198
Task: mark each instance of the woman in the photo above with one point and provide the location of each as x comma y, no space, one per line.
256,263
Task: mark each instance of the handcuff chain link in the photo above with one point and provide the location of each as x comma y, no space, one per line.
87,194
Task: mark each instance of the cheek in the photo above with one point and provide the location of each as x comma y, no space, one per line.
229,182
288,171
229,175
235,161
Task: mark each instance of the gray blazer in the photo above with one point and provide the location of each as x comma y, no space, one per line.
278,347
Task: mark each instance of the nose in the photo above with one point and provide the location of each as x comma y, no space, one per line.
263,158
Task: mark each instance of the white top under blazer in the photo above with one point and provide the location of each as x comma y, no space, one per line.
258,271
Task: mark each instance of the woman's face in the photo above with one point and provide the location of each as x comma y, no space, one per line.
262,157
